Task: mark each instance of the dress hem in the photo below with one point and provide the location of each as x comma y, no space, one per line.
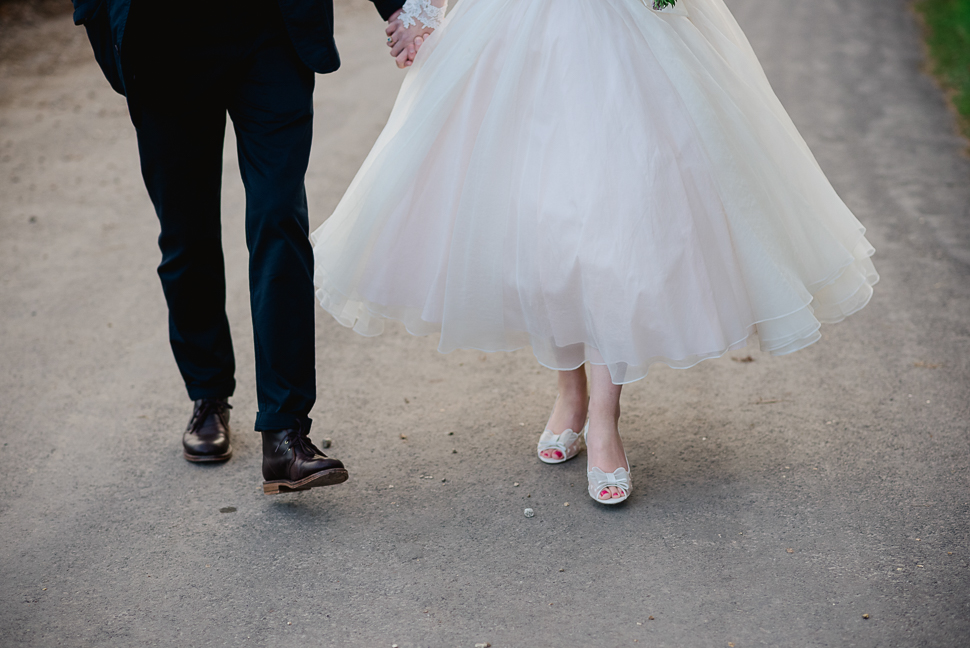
373,325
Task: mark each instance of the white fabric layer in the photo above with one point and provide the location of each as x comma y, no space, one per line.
625,193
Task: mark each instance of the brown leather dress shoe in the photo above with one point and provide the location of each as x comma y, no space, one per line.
207,436
292,463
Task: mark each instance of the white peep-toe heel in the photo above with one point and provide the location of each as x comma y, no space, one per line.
568,444
599,480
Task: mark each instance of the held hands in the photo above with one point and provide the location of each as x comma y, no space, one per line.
404,41
410,26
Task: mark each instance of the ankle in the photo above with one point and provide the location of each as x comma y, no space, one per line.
572,383
604,411
574,398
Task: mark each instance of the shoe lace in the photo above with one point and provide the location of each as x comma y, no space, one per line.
208,406
297,438
301,439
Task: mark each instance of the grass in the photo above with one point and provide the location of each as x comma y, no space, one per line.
948,37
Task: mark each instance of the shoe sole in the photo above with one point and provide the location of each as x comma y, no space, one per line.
322,478
612,501
557,461
207,458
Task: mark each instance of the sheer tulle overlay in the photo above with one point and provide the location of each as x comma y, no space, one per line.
597,180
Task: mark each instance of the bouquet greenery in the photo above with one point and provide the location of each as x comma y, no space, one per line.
660,4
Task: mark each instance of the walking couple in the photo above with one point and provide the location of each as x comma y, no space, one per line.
603,181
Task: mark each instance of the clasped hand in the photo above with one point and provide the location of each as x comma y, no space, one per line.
405,41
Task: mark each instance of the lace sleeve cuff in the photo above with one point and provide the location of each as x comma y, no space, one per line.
429,15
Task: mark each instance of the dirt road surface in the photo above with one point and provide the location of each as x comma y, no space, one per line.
778,500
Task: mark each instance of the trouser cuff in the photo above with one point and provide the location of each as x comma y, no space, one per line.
218,391
268,422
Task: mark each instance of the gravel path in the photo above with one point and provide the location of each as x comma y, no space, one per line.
778,501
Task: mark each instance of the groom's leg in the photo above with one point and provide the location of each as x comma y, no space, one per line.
272,113
180,145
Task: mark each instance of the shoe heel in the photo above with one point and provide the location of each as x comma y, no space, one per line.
271,489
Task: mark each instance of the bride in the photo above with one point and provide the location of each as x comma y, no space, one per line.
604,182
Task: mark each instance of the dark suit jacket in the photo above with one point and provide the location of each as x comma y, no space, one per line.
309,24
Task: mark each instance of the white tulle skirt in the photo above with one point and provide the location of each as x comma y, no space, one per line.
597,180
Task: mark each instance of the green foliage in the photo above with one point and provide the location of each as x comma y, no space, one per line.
948,24
660,4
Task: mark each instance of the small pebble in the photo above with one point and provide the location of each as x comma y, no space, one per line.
865,616
404,437
566,504
454,452
529,512
443,481
327,443
483,645
289,623
790,550
650,618
516,484
451,434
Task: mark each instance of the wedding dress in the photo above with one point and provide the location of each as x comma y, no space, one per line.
600,181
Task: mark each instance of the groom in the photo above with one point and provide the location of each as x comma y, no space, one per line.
183,68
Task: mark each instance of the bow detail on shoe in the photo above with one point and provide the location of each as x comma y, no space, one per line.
600,480
568,443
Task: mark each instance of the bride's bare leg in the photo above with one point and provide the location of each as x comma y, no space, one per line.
570,409
603,444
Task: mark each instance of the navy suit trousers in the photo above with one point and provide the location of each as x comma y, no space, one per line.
186,83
